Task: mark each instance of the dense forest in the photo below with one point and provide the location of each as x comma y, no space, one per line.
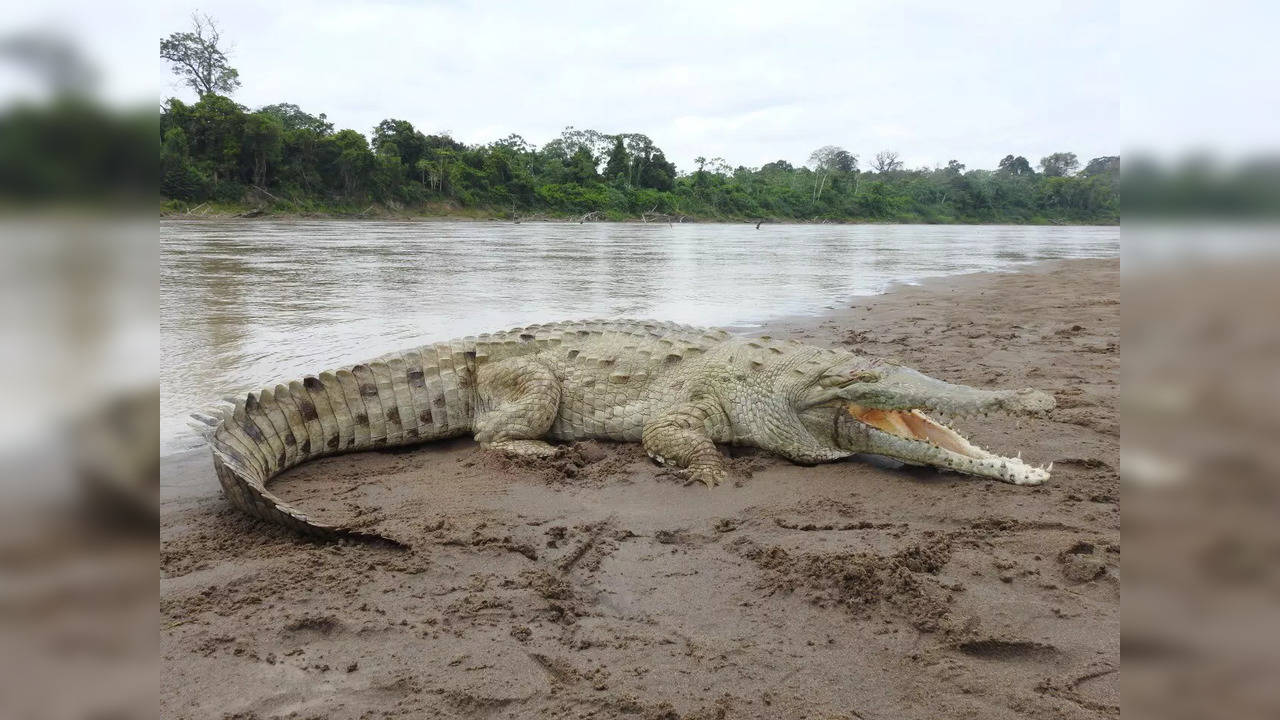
292,161
280,158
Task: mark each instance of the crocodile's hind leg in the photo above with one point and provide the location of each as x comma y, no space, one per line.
518,401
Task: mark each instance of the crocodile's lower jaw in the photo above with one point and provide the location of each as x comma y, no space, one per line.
916,437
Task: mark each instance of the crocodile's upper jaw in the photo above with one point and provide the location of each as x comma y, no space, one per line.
914,437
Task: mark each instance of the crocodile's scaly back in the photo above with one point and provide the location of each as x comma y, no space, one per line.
677,389
398,399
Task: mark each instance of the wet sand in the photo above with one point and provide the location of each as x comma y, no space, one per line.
598,586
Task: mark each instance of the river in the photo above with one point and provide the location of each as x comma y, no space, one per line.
247,303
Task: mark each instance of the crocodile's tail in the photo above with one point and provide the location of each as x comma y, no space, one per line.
244,489
404,398
400,399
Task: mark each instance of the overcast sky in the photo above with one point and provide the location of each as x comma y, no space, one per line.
749,82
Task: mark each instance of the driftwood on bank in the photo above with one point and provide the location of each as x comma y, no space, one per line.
264,192
652,215
534,217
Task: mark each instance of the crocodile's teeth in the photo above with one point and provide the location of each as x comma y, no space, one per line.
1050,468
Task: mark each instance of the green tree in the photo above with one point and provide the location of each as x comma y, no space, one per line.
1105,165
1059,164
178,177
410,145
830,159
582,167
594,141
351,159
196,58
658,173
303,147
618,161
1016,166
700,175
263,144
293,118
215,130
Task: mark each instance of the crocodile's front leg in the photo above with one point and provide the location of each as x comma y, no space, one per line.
517,401
683,437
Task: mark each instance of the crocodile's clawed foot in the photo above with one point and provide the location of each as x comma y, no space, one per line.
523,448
709,476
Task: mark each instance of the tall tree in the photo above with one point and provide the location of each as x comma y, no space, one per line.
594,141
352,158
657,173
699,175
640,149
828,159
398,137
582,166
845,161
618,160
292,117
1105,165
263,143
1016,166
1059,164
196,57
215,130
886,162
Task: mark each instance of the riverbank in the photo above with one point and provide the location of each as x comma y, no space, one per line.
178,210
596,584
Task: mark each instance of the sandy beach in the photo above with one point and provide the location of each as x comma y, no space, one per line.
596,585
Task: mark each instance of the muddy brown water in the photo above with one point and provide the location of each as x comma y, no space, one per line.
246,303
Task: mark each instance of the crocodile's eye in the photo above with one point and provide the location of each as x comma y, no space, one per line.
843,379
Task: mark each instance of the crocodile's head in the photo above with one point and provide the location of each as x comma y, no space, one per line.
885,409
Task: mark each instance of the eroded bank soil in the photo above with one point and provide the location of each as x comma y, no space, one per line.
597,586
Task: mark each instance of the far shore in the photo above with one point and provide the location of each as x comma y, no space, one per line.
444,213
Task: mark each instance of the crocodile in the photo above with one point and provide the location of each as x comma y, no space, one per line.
679,390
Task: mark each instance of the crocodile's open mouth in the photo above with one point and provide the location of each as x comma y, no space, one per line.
915,425
933,443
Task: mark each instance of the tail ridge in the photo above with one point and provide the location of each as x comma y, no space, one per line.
245,488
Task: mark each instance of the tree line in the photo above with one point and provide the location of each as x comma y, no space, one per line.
283,156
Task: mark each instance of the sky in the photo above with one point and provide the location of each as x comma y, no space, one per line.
748,82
